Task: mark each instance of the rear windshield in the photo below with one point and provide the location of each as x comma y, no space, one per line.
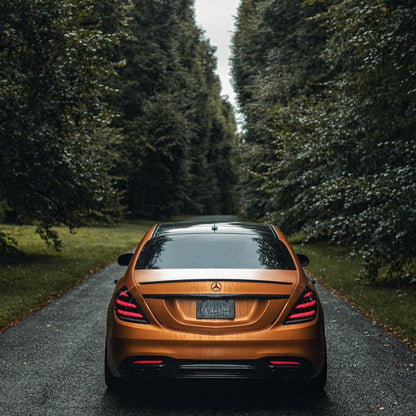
218,251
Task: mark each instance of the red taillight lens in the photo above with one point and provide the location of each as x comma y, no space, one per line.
305,309
127,308
285,363
148,362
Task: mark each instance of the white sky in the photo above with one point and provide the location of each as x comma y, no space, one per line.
217,18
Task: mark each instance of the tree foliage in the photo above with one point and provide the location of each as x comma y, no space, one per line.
54,63
342,124
102,99
178,130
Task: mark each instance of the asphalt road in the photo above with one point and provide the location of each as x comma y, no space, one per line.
52,364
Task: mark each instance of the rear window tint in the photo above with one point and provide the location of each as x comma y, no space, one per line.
218,251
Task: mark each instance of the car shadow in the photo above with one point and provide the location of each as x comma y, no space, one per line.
185,396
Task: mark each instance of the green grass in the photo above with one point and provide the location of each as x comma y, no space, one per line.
32,280
390,306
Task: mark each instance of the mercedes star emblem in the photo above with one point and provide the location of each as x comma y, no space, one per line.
216,286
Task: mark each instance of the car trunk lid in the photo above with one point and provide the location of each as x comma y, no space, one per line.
216,301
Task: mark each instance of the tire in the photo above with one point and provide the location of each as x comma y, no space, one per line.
112,382
318,383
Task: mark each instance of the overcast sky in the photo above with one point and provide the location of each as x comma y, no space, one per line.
217,18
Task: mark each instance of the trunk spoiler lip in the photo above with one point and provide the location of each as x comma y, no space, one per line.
158,282
260,276
222,296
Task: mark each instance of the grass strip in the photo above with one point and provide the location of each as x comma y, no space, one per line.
43,273
390,306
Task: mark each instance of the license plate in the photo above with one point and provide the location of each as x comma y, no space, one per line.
215,309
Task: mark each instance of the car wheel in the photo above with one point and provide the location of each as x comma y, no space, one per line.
112,382
318,383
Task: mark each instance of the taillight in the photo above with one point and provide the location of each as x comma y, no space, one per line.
285,363
127,308
305,309
148,362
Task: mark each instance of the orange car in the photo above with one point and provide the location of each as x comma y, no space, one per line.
225,300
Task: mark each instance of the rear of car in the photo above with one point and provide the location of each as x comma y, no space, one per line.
227,300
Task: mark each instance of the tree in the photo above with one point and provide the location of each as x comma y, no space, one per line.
336,93
250,51
169,104
54,62
371,133
276,67
100,98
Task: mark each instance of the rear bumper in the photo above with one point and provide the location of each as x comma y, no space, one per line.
292,368
195,355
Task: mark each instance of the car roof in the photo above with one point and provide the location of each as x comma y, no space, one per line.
181,228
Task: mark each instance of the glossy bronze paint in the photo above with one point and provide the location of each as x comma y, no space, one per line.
263,300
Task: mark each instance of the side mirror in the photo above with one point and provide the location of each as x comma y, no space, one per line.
124,259
304,260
